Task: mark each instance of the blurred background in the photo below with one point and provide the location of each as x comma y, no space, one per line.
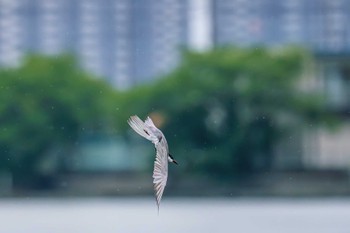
253,97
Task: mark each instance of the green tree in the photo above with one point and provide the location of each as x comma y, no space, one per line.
47,102
225,109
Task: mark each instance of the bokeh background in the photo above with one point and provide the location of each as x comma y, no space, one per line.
253,97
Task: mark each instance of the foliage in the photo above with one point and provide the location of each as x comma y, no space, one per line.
225,109
222,111
47,102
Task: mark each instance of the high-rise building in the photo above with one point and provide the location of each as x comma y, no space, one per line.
10,32
132,41
317,24
125,41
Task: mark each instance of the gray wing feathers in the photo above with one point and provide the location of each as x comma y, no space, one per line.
145,129
139,126
160,172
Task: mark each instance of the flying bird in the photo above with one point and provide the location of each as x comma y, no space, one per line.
160,171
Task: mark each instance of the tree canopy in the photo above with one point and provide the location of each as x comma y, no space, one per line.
48,102
224,110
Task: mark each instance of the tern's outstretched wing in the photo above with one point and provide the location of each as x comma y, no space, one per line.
160,171
142,129
139,126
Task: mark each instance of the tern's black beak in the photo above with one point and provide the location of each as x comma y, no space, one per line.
172,159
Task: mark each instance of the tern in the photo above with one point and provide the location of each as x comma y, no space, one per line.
148,130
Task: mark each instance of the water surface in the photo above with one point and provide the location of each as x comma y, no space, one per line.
136,215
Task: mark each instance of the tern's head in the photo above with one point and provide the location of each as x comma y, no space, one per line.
171,159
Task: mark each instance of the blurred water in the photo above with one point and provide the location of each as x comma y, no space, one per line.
177,215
